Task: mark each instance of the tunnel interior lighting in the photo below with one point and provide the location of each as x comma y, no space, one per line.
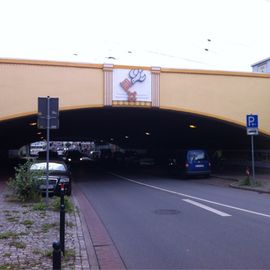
126,137
147,133
192,126
33,124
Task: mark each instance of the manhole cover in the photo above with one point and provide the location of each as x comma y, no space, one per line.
166,212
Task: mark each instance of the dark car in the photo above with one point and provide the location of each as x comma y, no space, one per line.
74,156
191,162
58,174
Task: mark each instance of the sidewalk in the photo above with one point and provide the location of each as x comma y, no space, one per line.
26,236
236,180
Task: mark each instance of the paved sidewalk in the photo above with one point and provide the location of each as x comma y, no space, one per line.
26,236
237,180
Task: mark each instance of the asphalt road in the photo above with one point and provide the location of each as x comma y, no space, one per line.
159,222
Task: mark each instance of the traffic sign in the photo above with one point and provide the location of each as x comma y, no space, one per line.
252,131
43,113
252,124
252,121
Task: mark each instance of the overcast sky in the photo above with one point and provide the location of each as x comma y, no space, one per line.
193,34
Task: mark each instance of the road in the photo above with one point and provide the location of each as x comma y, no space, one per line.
159,222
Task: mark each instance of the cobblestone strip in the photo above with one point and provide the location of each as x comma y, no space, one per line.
89,259
26,237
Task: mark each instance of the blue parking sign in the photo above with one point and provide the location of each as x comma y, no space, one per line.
252,121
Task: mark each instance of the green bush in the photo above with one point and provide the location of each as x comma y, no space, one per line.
25,184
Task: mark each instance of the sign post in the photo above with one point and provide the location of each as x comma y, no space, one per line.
252,129
48,118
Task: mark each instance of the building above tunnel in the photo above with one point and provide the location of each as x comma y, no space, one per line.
262,66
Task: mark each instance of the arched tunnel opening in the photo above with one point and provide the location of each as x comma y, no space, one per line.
155,130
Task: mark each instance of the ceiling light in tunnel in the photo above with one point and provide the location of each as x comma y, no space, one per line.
111,139
192,126
33,124
147,133
39,133
126,137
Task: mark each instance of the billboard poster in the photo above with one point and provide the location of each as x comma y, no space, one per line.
131,85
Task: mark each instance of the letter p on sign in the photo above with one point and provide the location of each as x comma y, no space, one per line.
252,121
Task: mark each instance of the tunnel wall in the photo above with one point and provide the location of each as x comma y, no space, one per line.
22,83
224,95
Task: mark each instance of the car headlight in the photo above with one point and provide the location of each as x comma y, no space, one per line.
64,180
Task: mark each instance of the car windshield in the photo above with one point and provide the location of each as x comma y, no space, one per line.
195,155
53,166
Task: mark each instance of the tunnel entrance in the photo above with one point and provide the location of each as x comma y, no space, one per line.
133,128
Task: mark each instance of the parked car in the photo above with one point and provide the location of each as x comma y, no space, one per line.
146,161
58,174
190,162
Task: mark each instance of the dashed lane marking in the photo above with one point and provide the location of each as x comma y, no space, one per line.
222,214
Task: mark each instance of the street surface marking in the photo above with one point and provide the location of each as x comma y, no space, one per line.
223,214
191,197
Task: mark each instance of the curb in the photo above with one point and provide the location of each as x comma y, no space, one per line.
249,188
100,245
234,185
224,177
85,239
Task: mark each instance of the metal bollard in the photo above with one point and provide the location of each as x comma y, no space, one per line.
56,256
62,221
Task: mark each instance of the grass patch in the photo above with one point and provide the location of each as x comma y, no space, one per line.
48,253
38,252
70,224
27,222
46,227
8,234
12,219
247,181
39,206
11,198
69,254
18,245
9,266
6,254
23,233
69,208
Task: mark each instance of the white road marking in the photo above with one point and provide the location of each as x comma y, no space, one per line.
192,197
223,214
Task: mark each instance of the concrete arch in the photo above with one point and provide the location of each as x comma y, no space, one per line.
227,96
